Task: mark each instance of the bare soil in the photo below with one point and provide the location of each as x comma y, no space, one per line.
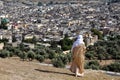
15,69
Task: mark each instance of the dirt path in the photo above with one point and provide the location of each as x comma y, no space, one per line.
14,69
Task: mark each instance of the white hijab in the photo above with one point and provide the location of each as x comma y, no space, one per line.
78,42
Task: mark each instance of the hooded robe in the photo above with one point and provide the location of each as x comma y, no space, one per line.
78,55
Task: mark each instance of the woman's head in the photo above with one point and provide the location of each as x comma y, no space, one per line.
80,37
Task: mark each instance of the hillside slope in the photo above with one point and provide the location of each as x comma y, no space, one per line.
14,69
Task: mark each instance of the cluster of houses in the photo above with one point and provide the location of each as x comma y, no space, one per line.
51,23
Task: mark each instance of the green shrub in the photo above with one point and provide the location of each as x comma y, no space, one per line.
69,57
92,65
9,47
64,58
58,63
40,58
66,44
23,55
41,52
113,67
104,50
97,32
4,53
51,54
90,55
11,54
31,55
17,52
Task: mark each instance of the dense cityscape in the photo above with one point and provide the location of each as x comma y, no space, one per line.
53,21
44,30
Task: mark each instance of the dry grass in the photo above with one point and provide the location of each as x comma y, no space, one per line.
14,69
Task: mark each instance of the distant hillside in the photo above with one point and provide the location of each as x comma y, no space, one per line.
60,1
50,0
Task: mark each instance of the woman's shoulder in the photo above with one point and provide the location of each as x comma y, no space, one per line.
81,45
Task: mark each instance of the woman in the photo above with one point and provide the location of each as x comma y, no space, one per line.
78,51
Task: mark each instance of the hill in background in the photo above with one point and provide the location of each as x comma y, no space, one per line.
46,1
